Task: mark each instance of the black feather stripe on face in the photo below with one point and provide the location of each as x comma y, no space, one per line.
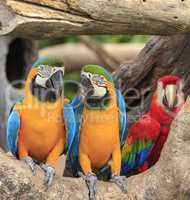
44,94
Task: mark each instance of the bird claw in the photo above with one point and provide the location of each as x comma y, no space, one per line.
49,174
10,154
91,180
120,182
29,161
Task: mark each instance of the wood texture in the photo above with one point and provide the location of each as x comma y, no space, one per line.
107,59
13,58
43,19
162,55
4,42
84,55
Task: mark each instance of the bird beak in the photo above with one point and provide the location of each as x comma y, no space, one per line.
54,81
171,95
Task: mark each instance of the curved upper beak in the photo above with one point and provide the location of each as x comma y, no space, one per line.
171,95
55,81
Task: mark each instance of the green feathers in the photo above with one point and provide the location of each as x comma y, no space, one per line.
96,69
49,61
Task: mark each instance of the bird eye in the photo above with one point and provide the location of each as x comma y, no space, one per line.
99,80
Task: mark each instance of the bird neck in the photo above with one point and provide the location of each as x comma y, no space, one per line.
103,103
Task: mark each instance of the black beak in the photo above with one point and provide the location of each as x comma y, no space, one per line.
87,86
55,81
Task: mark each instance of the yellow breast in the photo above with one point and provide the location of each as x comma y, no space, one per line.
99,134
41,126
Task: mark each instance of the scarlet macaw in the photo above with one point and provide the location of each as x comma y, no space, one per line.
146,138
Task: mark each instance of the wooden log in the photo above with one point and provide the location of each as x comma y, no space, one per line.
83,55
160,56
44,19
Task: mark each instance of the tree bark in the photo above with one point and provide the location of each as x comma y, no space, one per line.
109,61
44,19
161,56
16,57
169,179
83,55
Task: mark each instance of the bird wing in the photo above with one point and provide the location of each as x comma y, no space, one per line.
70,125
12,131
78,106
122,116
139,143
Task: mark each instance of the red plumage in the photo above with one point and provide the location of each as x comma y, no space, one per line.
164,117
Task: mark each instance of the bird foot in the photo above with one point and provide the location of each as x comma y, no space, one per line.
91,180
29,161
10,154
120,182
49,174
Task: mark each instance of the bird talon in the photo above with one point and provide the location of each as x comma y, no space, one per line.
120,182
10,154
32,165
49,174
91,180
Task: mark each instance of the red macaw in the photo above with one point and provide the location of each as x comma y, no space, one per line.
146,137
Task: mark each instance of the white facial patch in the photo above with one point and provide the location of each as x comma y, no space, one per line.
41,81
98,83
45,72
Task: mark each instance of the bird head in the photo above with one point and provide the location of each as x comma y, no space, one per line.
169,91
47,82
95,80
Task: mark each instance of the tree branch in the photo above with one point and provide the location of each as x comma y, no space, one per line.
109,61
123,53
43,19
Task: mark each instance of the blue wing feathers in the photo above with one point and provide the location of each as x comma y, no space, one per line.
13,126
122,116
70,124
73,151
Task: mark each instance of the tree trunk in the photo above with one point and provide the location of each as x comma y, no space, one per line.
4,84
44,19
169,179
160,56
16,57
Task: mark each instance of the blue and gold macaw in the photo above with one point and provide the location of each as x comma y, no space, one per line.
100,114
40,127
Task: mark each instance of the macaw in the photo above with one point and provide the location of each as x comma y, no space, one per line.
40,127
146,138
100,114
